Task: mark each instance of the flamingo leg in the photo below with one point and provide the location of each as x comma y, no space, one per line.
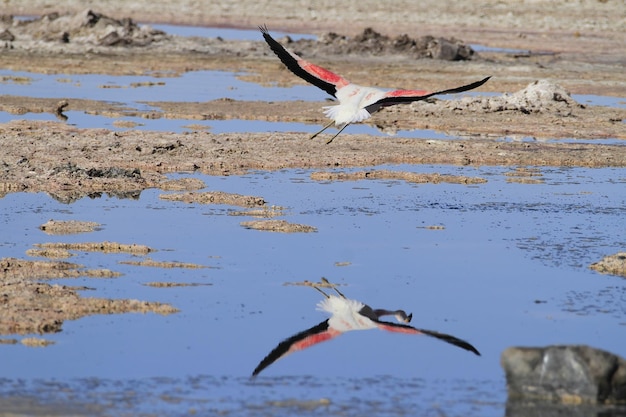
317,288
340,130
325,127
325,281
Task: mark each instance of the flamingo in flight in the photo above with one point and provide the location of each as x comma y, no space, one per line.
348,315
356,103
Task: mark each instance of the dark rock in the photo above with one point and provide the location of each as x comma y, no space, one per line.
6,35
450,50
85,27
573,374
518,409
370,42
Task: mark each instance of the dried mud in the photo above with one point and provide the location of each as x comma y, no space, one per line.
30,306
44,161
162,264
282,226
216,197
57,227
175,284
103,247
396,175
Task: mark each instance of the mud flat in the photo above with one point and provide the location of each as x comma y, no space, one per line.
37,156
32,306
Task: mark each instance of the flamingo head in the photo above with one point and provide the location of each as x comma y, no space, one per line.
402,317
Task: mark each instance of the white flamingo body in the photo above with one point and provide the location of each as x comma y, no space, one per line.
356,103
348,315
353,99
345,314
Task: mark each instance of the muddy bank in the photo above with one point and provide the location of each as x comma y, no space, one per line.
282,226
395,175
56,227
69,163
30,306
216,197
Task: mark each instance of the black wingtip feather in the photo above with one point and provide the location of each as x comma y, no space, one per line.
283,347
441,336
292,63
389,101
452,340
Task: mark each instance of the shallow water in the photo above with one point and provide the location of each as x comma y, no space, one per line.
225,33
208,395
134,92
509,268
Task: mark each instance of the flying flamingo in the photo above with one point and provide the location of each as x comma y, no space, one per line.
356,103
348,315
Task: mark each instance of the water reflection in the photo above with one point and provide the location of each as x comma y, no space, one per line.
348,315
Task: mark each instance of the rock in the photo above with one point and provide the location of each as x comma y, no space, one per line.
541,96
570,374
82,28
6,35
449,50
613,264
370,42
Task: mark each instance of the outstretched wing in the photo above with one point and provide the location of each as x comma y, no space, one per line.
316,334
311,73
408,96
405,328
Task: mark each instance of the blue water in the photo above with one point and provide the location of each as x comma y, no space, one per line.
225,33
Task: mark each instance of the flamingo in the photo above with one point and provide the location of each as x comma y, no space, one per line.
356,103
348,315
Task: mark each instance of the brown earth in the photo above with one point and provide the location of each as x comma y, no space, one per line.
278,226
29,305
57,227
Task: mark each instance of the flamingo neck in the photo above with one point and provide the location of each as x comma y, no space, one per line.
400,315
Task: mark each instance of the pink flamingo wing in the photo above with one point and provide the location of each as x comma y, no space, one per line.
405,328
316,334
407,96
392,327
323,74
407,93
313,340
311,73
